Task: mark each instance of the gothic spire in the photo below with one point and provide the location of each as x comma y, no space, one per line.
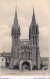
33,17
15,18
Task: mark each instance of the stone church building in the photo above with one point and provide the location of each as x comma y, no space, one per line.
25,52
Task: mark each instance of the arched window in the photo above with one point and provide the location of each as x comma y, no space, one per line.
34,30
24,47
21,47
36,40
22,53
28,46
33,40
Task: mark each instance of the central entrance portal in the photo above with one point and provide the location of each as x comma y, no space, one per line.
25,65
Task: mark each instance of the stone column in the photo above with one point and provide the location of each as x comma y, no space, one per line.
31,67
20,67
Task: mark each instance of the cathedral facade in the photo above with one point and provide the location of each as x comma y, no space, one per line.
25,52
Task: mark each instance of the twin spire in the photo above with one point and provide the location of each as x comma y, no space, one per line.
16,19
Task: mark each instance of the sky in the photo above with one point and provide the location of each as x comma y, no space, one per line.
24,13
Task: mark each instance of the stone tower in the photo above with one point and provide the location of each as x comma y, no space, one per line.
15,42
34,41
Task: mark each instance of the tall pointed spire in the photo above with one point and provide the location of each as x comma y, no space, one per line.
15,18
33,17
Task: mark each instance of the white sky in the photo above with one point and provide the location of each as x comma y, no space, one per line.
24,12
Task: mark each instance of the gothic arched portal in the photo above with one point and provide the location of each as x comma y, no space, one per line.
25,65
